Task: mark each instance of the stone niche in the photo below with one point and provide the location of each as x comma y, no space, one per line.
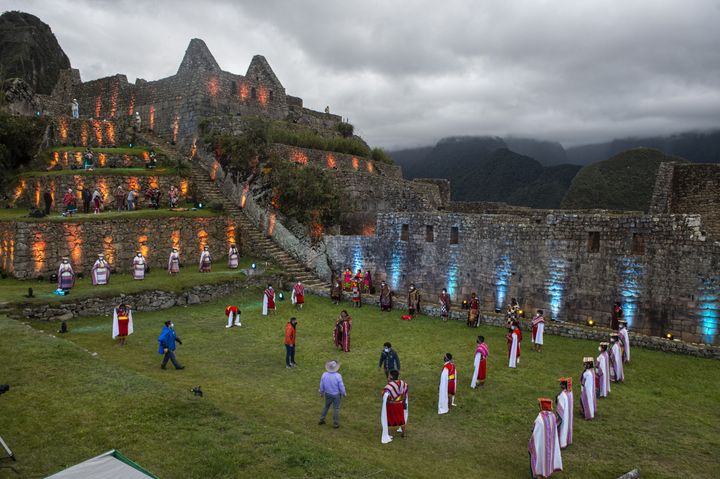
32,249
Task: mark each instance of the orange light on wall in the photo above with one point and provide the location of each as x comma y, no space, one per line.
213,86
97,127
370,167
316,227
73,238
108,249
184,187
63,127
37,251
102,159
175,239
84,134
153,181
52,190
19,190
142,245
114,90
202,236
78,158
271,224
79,184
146,156
127,161
110,133
133,183
66,160
243,199
244,92
263,95
7,252
98,106
37,193
131,105
55,160
214,170
193,148
275,201
330,160
230,232
151,120
103,187
368,230
298,157
175,127
355,163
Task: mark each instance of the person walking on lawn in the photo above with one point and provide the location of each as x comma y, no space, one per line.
332,387
290,332
167,340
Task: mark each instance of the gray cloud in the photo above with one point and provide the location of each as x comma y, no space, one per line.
409,72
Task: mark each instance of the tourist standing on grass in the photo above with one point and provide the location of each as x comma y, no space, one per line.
336,291
341,333
544,446
356,295
389,359
480,364
616,316
588,400
394,412
233,257
139,266
100,271
167,339
616,359
290,335
444,305
565,407
48,200
385,297
332,387
268,300
474,311
66,276
603,370
514,337
205,260
174,262
122,323
448,379
298,295
624,340
119,198
414,299
233,316
538,330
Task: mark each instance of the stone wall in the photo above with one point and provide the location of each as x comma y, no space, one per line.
32,249
35,187
96,133
573,266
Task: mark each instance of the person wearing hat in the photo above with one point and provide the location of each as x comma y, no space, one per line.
514,337
167,339
603,370
588,400
75,109
616,359
174,262
100,271
538,330
205,260
122,323
139,266
544,445
394,410
624,340
565,406
332,387
444,300
448,380
66,276
233,257
290,336
414,299
481,355
616,316
268,300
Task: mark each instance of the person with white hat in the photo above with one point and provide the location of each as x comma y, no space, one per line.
588,400
603,370
100,271
624,340
616,359
332,387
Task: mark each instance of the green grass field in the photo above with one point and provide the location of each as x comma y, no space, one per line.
77,395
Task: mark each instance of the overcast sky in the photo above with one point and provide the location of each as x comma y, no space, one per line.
407,73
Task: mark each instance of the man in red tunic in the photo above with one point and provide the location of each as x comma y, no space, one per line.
122,323
514,337
394,406
481,355
448,378
474,312
341,333
298,295
268,300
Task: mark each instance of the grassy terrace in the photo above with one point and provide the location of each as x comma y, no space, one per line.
21,214
103,172
116,151
258,419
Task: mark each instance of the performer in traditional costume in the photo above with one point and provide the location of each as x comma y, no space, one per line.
616,316
97,200
268,300
448,379
413,301
565,406
624,340
538,330
394,411
356,295
233,257
616,359
341,333
174,262
336,290
66,276
122,323
173,196
233,316
444,305
603,371
298,295
205,260
347,279
139,266
544,445
588,400
367,282
100,271
514,337
481,355
358,278
474,311
385,297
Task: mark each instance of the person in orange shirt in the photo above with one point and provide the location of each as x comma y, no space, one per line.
290,332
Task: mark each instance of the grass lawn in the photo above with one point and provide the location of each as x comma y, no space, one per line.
104,172
258,419
116,151
14,291
21,214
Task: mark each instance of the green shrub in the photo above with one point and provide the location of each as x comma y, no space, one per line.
346,129
380,156
301,190
305,138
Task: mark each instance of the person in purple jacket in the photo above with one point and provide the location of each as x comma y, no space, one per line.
332,387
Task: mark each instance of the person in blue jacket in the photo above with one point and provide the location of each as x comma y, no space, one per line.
167,340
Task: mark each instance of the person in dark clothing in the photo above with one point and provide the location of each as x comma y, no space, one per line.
48,199
167,339
616,316
389,359
86,199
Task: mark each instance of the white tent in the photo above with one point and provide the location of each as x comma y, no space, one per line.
110,465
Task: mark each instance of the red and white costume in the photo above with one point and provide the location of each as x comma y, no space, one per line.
122,322
448,378
480,373
544,445
538,329
394,408
298,294
565,406
513,340
268,300
233,315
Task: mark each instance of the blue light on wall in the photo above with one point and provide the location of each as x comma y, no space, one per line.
397,260
357,255
452,271
555,284
631,273
709,308
503,268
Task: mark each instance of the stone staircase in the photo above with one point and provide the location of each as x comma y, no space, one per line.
211,193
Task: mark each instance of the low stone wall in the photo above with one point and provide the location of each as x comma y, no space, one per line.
68,160
335,161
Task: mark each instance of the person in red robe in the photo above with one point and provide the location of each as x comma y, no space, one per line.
268,300
347,279
448,380
122,323
616,316
394,406
474,311
341,333
298,295
480,363
444,305
514,337
356,295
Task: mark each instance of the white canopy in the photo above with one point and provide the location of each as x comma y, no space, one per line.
110,465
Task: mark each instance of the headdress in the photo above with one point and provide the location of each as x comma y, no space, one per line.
546,404
568,382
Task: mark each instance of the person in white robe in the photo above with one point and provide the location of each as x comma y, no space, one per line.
66,275
617,373
174,262
448,380
205,260
480,363
544,445
513,340
233,257
538,330
603,370
100,271
139,266
565,409
588,400
624,340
